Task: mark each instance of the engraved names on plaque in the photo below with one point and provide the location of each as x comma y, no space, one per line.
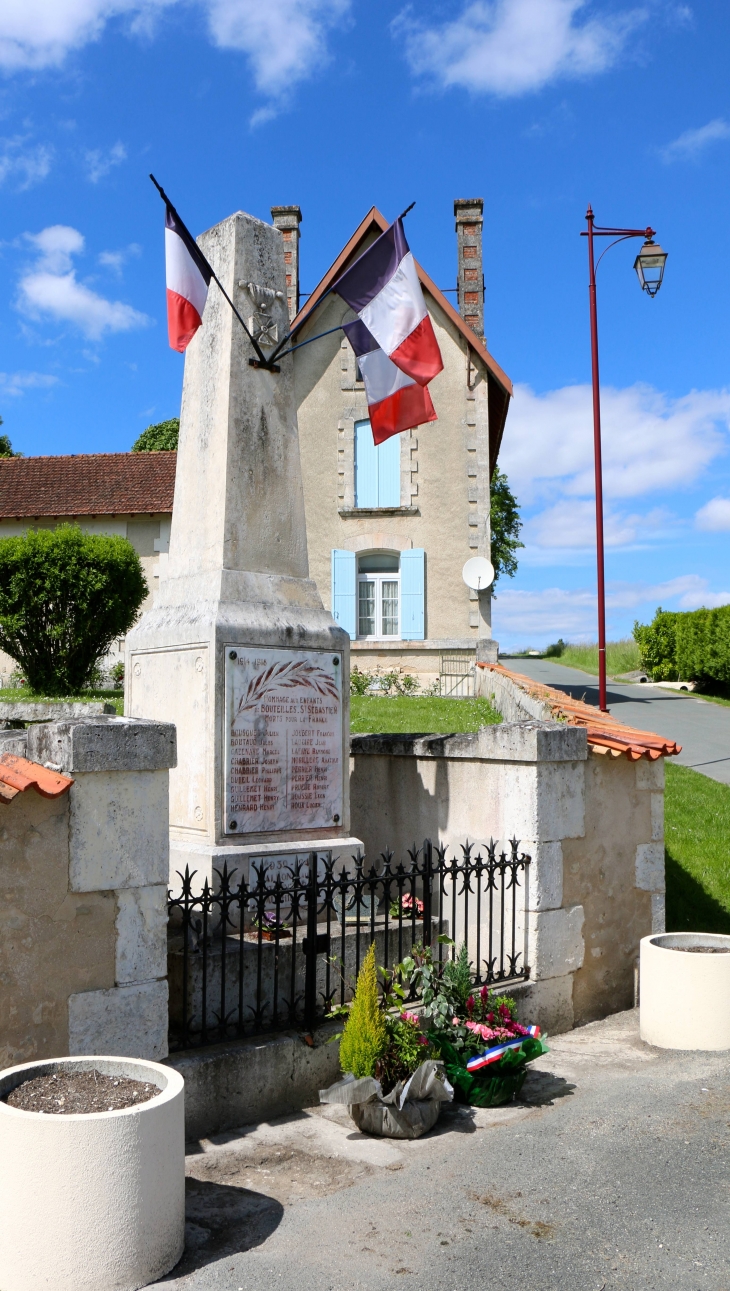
283,740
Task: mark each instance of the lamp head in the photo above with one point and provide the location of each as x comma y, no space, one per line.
649,265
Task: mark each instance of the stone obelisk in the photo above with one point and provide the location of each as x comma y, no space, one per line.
238,650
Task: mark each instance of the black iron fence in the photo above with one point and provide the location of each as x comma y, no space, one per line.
277,948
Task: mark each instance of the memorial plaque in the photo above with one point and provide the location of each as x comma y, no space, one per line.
283,740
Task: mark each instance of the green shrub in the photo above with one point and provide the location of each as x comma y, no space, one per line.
694,646
64,596
703,645
555,650
365,1037
158,438
657,642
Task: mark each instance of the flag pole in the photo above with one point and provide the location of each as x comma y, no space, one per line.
260,360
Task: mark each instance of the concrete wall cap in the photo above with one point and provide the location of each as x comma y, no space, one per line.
509,742
104,744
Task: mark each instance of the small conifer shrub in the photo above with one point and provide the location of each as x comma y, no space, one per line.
365,1037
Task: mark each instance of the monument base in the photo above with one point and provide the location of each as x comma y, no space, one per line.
206,861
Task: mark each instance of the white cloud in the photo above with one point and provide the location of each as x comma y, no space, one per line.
692,143
99,163
23,165
285,42
50,288
115,260
511,47
552,612
40,33
650,442
16,383
714,515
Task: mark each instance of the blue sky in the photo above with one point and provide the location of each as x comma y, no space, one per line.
539,106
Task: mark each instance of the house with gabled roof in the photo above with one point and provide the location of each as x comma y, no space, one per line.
389,528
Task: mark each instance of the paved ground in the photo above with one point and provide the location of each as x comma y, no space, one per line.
702,728
611,1174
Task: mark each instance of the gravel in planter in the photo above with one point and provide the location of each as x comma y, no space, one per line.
71,1092
700,950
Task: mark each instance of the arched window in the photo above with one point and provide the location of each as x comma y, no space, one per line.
378,595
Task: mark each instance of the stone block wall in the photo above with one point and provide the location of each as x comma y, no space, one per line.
83,920
592,824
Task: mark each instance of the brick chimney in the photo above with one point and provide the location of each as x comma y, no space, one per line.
288,219
470,280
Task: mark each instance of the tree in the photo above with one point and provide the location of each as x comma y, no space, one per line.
6,448
158,438
64,596
505,523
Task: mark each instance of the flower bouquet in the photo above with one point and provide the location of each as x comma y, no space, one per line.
394,1082
270,927
406,905
485,1050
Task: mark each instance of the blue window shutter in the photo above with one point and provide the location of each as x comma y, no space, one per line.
344,587
412,598
366,466
389,472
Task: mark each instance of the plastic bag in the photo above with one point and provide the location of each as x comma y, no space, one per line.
408,1111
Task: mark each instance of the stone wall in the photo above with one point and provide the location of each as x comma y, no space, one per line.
83,879
593,825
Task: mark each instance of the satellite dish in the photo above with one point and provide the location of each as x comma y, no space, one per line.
478,573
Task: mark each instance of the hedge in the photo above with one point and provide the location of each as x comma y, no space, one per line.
692,646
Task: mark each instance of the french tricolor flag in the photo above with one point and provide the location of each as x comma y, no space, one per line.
395,401
188,276
393,335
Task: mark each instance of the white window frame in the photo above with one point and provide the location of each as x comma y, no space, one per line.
379,579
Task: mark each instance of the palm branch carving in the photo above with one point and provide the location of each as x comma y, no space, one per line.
298,674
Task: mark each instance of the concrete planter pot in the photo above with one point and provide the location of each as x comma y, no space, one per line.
684,1000
92,1202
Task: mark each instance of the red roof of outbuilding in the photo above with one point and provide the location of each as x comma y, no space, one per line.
89,484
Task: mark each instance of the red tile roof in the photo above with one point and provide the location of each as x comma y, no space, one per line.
18,774
605,734
89,484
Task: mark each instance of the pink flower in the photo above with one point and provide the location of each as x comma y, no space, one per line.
408,901
413,1018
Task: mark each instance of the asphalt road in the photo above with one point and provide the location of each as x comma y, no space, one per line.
612,1173
702,728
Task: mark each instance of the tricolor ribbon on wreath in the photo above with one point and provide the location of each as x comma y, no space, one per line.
499,1050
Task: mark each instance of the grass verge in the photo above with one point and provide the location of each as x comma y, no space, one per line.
697,829
22,695
621,656
375,714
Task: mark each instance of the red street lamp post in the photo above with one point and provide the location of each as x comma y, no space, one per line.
649,265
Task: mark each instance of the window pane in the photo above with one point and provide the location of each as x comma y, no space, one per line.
390,608
366,608
376,562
